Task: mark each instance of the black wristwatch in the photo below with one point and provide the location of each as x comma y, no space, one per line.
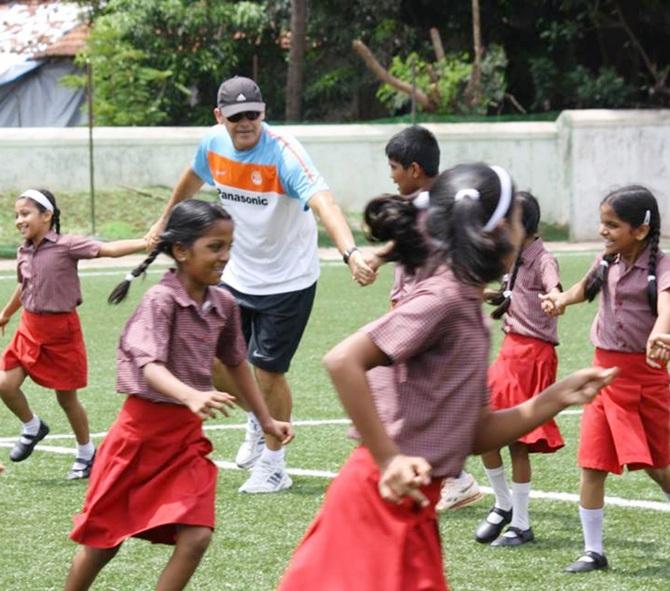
348,253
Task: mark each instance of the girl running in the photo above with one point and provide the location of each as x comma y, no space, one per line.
48,345
152,479
378,528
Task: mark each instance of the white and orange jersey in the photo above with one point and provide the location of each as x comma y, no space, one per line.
266,190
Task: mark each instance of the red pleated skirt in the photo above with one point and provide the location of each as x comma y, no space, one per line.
359,542
525,366
628,424
151,475
50,348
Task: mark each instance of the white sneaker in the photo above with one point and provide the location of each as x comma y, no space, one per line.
267,477
456,495
252,446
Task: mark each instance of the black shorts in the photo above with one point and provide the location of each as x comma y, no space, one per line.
273,325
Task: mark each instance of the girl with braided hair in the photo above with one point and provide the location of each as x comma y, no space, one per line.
525,366
48,345
629,424
152,479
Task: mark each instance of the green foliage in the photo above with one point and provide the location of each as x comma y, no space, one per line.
161,61
607,89
444,81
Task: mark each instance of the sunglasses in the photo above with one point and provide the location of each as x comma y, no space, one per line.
250,115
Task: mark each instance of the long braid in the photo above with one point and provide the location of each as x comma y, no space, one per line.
504,298
652,287
120,292
596,279
56,219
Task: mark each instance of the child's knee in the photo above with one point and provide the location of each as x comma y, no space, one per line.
67,400
195,540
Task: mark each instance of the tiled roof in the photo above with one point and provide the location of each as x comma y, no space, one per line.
32,28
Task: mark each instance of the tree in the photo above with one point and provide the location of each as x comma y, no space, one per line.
296,59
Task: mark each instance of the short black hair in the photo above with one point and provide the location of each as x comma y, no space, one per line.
415,144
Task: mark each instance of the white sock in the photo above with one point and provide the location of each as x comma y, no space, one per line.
498,482
271,456
520,494
463,479
592,526
86,451
32,426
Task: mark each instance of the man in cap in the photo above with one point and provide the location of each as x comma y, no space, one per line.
267,182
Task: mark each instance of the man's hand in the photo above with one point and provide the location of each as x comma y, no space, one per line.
360,270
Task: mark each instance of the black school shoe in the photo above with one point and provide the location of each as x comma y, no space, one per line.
85,471
514,536
487,531
587,562
21,450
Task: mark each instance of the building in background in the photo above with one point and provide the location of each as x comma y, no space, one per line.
38,42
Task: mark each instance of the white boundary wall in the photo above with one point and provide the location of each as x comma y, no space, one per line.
570,164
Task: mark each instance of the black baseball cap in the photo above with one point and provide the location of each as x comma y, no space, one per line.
239,94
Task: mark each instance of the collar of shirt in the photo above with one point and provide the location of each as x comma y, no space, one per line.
51,236
641,262
532,251
184,300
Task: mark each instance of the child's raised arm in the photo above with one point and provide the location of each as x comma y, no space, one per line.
121,248
347,364
502,427
12,305
204,404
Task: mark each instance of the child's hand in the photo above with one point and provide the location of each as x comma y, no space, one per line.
552,303
583,386
205,404
4,320
402,476
281,430
658,350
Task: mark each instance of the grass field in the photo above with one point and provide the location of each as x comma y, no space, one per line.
256,534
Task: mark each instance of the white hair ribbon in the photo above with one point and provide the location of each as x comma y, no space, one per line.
129,277
463,193
422,200
38,197
507,294
651,278
647,217
604,263
504,200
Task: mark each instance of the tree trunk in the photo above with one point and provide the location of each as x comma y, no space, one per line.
473,92
296,59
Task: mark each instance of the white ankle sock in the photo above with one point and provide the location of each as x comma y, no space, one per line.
463,479
86,451
592,526
272,456
520,495
32,426
498,482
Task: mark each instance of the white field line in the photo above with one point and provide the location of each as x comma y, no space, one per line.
663,507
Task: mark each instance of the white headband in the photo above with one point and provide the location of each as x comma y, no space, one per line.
40,198
422,200
504,200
